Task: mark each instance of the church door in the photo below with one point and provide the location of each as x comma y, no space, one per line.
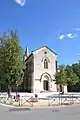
45,85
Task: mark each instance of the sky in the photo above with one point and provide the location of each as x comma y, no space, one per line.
52,23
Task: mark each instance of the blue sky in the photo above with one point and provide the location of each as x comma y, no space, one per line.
52,23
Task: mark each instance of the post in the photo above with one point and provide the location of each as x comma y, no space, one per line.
59,95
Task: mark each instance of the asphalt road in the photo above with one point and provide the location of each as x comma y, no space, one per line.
64,113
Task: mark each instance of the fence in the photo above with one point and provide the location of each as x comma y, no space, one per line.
31,101
64,99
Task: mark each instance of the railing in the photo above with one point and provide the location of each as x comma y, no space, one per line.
26,100
30,101
64,99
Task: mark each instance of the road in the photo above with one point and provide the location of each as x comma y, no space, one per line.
59,113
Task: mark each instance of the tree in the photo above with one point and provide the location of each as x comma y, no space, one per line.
62,67
3,39
11,61
72,78
67,76
60,76
76,69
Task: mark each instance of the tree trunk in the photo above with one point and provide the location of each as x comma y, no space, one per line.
8,91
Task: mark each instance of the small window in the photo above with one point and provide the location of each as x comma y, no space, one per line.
45,64
45,52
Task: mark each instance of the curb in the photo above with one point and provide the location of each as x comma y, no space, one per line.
39,107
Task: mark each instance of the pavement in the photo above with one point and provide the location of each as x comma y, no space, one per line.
53,113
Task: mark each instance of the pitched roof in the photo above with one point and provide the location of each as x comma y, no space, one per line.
39,49
47,48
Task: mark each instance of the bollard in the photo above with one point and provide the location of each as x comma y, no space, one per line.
48,101
21,101
59,98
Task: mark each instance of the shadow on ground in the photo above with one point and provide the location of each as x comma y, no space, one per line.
54,110
19,109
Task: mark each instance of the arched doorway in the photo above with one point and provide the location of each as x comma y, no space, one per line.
45,85
46,81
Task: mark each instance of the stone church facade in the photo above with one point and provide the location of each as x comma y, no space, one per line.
41,67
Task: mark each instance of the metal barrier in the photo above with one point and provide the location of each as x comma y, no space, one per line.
25,99
64,99
21,101
55,99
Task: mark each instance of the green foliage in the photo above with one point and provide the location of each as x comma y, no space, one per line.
62,67
72,78
61,78
69,75
10,60
76,69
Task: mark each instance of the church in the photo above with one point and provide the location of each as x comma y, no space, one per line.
41,67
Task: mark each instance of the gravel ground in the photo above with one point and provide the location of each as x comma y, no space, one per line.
58,113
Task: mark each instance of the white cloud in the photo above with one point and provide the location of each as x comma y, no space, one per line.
61,36
70,35
21,2
76,29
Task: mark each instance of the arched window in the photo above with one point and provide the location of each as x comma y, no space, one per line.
45,64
